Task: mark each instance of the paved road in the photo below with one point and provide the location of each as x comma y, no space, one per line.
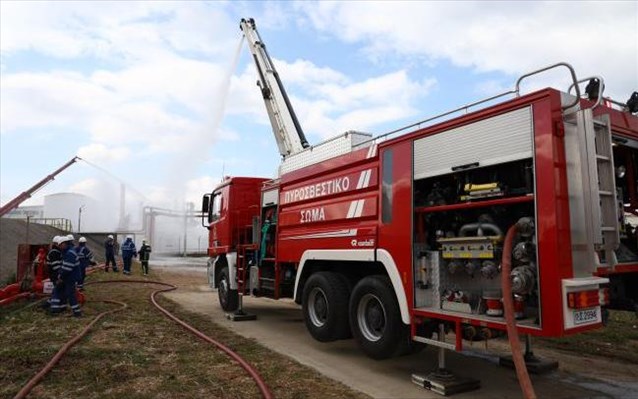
280,327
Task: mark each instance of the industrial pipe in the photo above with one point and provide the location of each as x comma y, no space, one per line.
479,227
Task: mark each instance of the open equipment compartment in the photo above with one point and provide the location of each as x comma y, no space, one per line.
465,198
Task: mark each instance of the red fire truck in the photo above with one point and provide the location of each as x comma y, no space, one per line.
386,238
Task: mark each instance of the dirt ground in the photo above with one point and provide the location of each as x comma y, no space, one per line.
578,375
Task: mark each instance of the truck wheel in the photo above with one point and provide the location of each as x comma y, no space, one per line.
228,299
376,319
325,306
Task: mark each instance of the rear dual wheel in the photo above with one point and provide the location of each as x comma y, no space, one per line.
375,319
325,306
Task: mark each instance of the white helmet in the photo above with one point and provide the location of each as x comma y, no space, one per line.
70,237
110,236
63,239
55,239
129,237
82,239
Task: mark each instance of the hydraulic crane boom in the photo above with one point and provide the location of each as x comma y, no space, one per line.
286,128
14,203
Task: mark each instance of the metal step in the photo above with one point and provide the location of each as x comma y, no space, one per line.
603,158
434,342
267,284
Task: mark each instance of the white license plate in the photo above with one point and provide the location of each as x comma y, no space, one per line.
585,316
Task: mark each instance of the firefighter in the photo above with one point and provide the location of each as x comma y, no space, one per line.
68,276
54,262
54,259
109,248
128,252
85,257
144,255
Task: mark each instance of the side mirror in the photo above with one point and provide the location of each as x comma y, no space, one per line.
205,209
205,203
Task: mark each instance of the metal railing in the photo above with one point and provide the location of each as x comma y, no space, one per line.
515,91
58,223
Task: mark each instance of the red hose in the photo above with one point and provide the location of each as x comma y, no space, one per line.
508,307
263,388
11,299
49,366
245,365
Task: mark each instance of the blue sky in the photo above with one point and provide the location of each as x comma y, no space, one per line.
140,88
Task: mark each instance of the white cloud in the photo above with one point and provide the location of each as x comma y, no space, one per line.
598,38
196,187
102,154
115,30
307,75
328,102
334,105
51,99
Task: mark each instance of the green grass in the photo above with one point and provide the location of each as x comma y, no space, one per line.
618,340
139,353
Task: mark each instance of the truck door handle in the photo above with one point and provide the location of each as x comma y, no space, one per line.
466,166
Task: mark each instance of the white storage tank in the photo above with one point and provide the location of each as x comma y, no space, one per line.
67,206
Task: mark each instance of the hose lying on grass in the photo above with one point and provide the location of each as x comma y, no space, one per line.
65,348
263,388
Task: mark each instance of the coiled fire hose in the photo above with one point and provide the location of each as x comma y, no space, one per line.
508,308
261,385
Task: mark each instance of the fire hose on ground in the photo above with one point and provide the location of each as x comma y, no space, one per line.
65,348
508,308
261,385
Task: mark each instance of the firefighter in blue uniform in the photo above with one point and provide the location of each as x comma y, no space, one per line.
85,257
69,275
128,252
54,263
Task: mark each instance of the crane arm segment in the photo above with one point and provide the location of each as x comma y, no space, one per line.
14,203
286,128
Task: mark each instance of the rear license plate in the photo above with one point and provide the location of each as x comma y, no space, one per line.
586,315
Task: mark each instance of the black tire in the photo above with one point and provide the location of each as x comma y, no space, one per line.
375,319
325,306
228,299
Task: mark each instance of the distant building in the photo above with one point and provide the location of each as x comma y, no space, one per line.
22,212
